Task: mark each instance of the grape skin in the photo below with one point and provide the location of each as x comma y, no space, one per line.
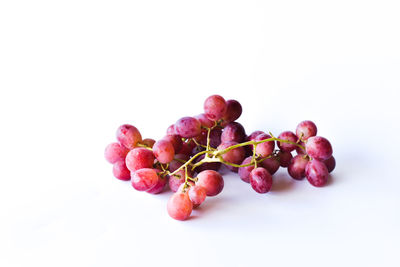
175,140
306,129
244,172
139,158
264,149
253,135
330,164
260,180
197,195
233,111
115,152
271,164
120,171
204,120
235,155
234,131
175,182
297,167
319,148
128,135
317,173
160,185
215,137
289,136
148,142
284,158
212,182
188,127
179,206
164,151
171,130
144,179
215,107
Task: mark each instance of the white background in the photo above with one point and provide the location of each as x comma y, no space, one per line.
72,71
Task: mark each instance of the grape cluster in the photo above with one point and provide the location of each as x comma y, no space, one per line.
188,157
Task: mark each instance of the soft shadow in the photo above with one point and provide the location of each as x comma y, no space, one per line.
282,182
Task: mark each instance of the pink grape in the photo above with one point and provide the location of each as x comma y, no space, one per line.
176,181
171,130
215,107
212,182
115,152
197,195
180,189
175,140
204,120
299,150
260,180
253,135
234,131
163,151
148,142
317,173
284,158
179,206
175,164
144,179
233,111
120,171
319,148
244,172
264,149
297,167
160,185
235,155
306,129
128,136
289,136
139,158
187,148
271,165
330,164
188,127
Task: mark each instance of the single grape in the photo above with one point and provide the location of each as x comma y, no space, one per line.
179,206
299,150
289,136
139,158
187,148
235,155
253,135
160,185
128,136
202,137
206,166
264,149
204,120
175,140
260,180
115,152
284,158
319,148
297,167
215,137
233,111
120,171
164,151
215,107
330,164
234,131
197,195
148,142
144,179
244,172
270,164
188,127
306,129
171,130
212,182
317,173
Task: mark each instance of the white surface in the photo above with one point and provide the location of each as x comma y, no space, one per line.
72,71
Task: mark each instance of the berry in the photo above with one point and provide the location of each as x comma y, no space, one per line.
330,164
144,179
148,142
319,148
317,173
253,135
139,158
160,185
188,127
197,195
306,129
115,152
128,136
163,151
260,180
264,149
235,155
212,182
120,171
234,131
215,107
179,206
289,136
233,111
297,167
284,158
244,172
271,164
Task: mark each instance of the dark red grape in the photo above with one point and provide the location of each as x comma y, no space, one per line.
215,107
139,158
215,137
244,172
164,151
289,136
144,179
121,172
187,148
317,173
330,164
175,140
306,129
175,164
260,180
233,111
179,206
206,166
235,155
253,135
264,149
188,127
234,131
319,148
284,158
212,182
270,164
128,136
115,152
297,167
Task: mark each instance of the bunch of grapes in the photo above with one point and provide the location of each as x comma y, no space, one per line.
188,158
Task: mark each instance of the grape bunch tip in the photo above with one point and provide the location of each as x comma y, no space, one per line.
187,159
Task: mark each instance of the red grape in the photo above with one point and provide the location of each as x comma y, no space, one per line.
244,172
197,195
215,137
235,155
260,180
139,158
284,158
148,142
271,164
163,151
176,181
120,171
234,131
253,135
215,107
212,182
299,150
318,148
297,167
204,120
144,179
160,185
179,206
289,136
128,136
175,140
233,111
306,129
171,130
317,173
330,164
115,152
188,127
175,164
264,149
187,148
